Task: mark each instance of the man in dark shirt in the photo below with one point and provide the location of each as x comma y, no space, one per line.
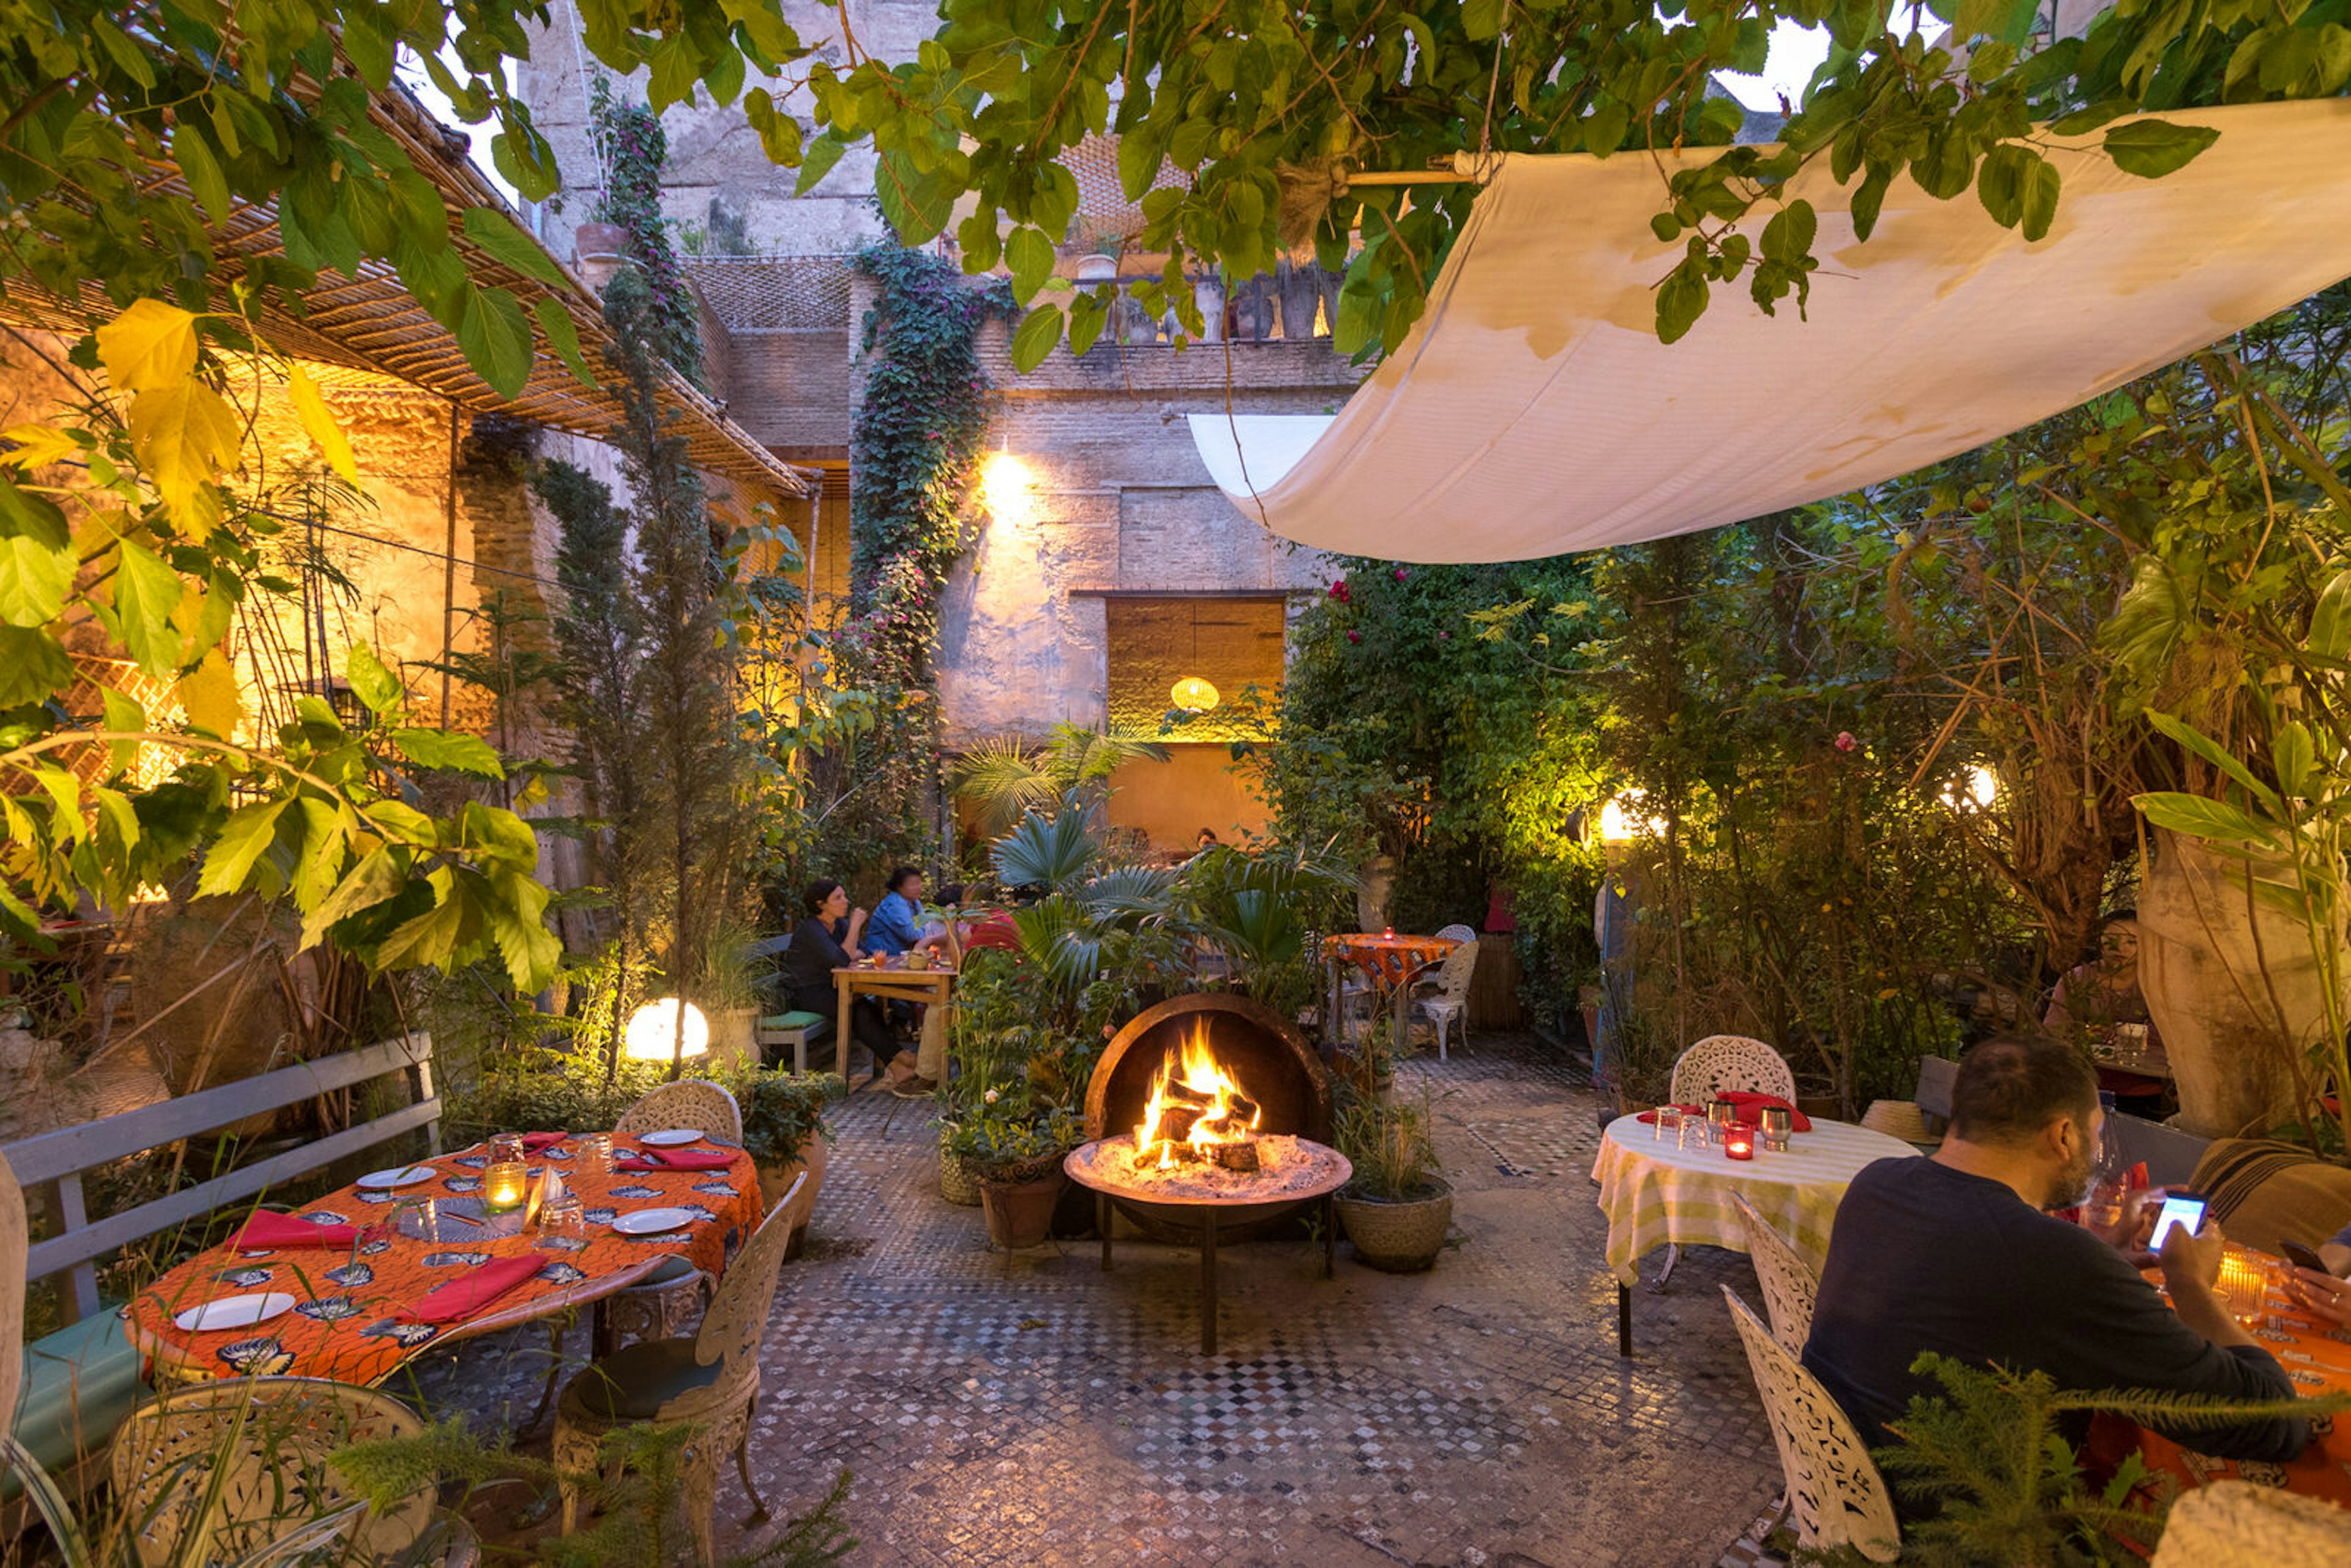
1954,1254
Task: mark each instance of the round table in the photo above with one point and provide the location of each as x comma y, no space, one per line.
1655,1193
1391,961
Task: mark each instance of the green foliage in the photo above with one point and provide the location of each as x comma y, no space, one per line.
1988,1460
632,1496
1013,1132
1006,777
1388,1142
632,150
536,1089
782,1111
1257,104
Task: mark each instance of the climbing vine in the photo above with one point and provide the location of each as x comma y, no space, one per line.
633,149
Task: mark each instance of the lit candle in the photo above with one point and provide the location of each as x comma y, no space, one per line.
502,1186
1738,1144
2244,1285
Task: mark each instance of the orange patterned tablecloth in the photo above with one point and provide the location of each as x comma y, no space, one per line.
2317,1356
347,1324
1387,959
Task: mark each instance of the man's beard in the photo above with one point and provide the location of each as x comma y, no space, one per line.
2070,1188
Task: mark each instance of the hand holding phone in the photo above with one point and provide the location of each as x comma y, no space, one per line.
2182,1210
2302,1257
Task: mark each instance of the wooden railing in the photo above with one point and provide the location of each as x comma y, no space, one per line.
53,1163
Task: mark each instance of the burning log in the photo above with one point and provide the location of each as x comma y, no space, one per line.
1241,1156
1175,1123
1241,1108
1177,1091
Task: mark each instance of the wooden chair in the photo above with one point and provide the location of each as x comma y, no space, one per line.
1451,999
710,1381
2236,1524
663,1304
1833,1487
1725,1062
1790,1286
248,1461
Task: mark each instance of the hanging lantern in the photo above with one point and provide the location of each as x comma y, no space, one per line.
1193,694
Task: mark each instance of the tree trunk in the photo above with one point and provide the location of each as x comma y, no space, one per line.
2231,986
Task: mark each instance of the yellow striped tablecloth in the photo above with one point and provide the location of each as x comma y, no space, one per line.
1654,1193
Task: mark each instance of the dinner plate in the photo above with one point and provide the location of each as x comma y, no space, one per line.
672,1139
399,1175
652,1221
237,1312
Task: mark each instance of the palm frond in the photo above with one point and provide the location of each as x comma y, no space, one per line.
1079,756
1130,893
1053,851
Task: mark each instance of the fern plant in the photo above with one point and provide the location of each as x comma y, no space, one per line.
1989,1457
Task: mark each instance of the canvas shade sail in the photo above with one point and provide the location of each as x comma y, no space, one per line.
1533,410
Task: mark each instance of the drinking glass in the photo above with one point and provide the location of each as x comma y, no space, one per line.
562,1225
594,1151
1778,1124
1670,1118
1719,1116
506,1148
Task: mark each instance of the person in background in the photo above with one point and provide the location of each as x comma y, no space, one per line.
897,922
2096,997
2326,1293
1956,1253
821,944
945,932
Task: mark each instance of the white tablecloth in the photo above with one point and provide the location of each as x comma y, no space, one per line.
1654,1193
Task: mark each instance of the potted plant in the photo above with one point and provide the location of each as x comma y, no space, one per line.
785,1132
1398,1208
1014,1143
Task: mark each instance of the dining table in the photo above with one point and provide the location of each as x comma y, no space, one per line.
360,1309
1659,1190
894,979
1390,961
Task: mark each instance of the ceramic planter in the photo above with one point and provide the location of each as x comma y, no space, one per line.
1399,1237
1020,1213
777,1180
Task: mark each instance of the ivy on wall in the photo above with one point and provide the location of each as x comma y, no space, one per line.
633,149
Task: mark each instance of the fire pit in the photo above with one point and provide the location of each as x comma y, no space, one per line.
1219,1105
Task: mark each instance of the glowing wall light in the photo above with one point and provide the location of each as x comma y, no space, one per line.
1624,819
653,1031
1008,488
1193,694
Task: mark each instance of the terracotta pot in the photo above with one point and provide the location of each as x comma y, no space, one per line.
1020,1213
1399,1237
2231,984
733,1036
598,251
957,1183
777,1180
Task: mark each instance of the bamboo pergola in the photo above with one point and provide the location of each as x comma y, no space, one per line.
371,322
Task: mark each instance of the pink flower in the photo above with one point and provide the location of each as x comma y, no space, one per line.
1445,636
1354,637
1844,740
1401,574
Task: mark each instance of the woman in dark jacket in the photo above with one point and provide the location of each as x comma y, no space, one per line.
822,943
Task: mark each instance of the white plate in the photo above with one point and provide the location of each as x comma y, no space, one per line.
399,1175
648,1222
673,1138
236,1311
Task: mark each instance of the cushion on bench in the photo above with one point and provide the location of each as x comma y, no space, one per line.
80,1384
815,1023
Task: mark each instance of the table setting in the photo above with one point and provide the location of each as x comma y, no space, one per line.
516,1228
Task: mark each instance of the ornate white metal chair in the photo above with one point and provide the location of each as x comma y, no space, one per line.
711,1381
248,1462
1790,1286
1451,999
2236,1524
663,1303
1833,1488
1723,1062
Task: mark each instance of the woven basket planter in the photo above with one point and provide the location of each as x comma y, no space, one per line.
957,1183
1399,1237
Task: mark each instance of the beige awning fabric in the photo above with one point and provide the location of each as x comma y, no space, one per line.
1533,410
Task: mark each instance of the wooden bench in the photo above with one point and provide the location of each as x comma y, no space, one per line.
796,1030
81,1381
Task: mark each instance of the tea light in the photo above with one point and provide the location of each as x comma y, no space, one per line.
2244,1285
502,1186
1738,1144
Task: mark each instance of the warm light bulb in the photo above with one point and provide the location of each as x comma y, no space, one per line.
653,1031
1622,820
1193,694
1008,489
1983,784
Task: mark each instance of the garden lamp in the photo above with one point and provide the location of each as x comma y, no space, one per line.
652,1033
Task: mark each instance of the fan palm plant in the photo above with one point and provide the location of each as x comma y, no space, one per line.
1006,779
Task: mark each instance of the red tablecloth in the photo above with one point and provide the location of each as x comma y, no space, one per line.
1387,959
346,1323
2317,1356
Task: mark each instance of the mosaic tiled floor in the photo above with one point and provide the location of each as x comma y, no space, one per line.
1029,1410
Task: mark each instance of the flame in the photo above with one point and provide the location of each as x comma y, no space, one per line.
1189,1075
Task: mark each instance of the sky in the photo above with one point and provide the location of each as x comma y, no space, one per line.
1796,52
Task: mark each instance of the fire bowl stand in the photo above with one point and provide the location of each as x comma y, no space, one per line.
1105,1203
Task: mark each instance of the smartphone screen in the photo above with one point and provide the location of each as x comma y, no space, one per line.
2185,1210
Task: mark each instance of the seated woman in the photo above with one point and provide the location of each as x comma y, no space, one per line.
822,944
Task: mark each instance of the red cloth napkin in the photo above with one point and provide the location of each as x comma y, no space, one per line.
462,1297
267,1232
1751,1106
534,1142
676,1160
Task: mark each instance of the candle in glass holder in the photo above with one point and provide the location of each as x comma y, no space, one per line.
2243,1285
502,1186
1738,1144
